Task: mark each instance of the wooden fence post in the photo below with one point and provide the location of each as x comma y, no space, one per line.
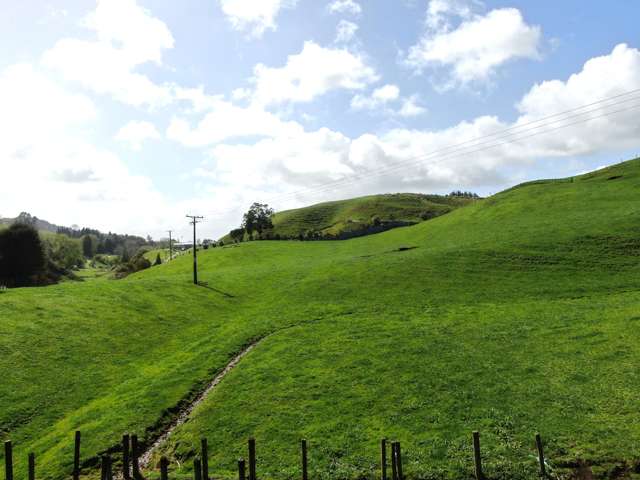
383,459
205,459
105,468
134,456
76,456
164,468
305,475
126,461
197,469
241,469
476,456
252,459
394,462
32,466
8,460
543,470
399,461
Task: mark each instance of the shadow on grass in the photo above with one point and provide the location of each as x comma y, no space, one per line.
206,285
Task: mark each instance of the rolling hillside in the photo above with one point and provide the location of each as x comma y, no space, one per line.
512,315
355,217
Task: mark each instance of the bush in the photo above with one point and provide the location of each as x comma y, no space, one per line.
158,260
22,256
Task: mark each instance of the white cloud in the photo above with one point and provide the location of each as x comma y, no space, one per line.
50,168
254,16
472,52
345,6
295,159
227,121
411,107
345,31
127,36
135,133
311,73
380,97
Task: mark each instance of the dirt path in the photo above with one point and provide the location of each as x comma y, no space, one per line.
183,416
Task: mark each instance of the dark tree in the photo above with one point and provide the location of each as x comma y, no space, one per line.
87,246
237,234
257,219
125,256
158,260
22,256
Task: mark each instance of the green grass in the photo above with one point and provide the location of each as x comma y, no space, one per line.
512,315
344,216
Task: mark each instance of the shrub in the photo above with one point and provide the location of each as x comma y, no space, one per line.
22,256
158,260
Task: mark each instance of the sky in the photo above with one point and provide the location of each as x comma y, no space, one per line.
127,115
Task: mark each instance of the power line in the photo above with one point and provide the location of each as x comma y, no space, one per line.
468,147
447,150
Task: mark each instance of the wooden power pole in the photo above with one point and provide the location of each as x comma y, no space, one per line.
170,246
195,219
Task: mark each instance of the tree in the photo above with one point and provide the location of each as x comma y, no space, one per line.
21,255
257,219
158,260
237,234
125,256
87,246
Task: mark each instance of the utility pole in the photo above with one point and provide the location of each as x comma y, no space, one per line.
170,246
195,219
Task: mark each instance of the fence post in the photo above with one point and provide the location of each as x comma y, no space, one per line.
164,468
394,462
383,459
8,460
252,459
197,469
241,469
303,444
134,456
205,459
32,466
105,468
543,470
76,456
476,456
399,461
126,462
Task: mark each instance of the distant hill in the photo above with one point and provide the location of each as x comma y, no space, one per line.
361,216
38,223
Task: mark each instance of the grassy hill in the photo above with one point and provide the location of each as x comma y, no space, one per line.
354,217
512,315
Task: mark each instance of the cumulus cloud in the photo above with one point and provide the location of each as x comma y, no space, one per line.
135,133
472,52
254,17
126,37
311,73
345,6
403,159
345,31
380,97
227,121
383,100
411,107
50,168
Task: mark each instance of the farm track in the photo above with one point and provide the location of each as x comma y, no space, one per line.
185,413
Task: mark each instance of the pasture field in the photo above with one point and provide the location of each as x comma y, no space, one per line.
515,314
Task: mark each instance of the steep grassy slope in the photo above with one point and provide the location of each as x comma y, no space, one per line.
515,314
346,217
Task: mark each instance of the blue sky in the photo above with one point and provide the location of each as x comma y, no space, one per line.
125,115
